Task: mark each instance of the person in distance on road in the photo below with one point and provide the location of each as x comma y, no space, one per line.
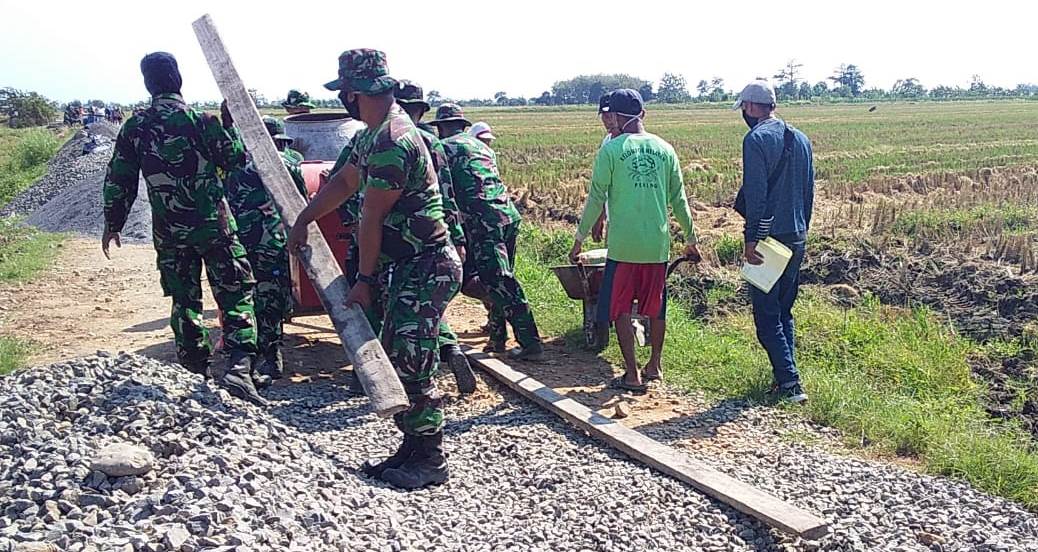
639,175
492,225
776,199
402,233
180,151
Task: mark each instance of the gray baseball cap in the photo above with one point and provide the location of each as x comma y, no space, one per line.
758,92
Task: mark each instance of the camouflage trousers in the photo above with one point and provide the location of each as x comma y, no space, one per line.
418,293
273,289
493,254
374,314
231,280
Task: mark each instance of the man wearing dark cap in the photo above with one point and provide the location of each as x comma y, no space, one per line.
263,235
402,233
776,199
639,175
491,224
180,152
411,99
297,102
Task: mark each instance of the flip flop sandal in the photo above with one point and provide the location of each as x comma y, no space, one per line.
619,383
652,379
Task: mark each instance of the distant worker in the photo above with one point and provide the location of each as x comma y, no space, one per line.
263,234
639,175
776,199
412,100
483,133
179,151
402,233
491,224
282,141
297,102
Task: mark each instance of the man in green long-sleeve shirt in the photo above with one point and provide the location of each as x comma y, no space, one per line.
639,175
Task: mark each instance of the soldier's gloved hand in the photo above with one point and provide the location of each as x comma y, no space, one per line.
106,239
360,294
297,237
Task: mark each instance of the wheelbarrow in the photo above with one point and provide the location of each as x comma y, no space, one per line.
583,282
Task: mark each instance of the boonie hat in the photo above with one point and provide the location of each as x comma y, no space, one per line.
449,112
758,92
297,99
364,70
276,128
407,92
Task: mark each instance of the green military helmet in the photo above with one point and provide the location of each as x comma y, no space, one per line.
364,71
409,93
298,99
276,128
449,112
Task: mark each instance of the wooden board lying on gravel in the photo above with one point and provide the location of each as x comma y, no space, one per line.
745,498
363,348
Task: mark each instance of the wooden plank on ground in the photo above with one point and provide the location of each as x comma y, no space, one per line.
745,498
363,349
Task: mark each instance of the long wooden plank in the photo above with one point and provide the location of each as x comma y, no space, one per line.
745,498
363,348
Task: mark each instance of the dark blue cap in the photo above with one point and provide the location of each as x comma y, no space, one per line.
161,74
603,103
624,101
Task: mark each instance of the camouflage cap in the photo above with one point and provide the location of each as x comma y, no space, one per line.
276,128
449,112
364,70
298,99
407,92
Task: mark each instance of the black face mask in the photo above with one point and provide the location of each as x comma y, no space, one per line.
353,108
750,121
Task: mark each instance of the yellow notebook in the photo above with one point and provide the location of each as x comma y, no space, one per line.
776,257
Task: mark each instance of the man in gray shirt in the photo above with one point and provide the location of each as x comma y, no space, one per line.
776,199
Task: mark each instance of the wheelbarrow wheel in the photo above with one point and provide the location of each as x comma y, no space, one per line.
596,334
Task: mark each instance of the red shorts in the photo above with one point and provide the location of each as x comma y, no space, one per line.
625,283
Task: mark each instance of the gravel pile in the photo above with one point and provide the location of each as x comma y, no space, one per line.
68,197
203,471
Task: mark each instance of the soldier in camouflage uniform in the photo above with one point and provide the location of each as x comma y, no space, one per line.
403,233
262,233
410,97
179,152
492,225
297,102
283,142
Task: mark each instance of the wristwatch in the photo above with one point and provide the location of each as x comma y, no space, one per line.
369,280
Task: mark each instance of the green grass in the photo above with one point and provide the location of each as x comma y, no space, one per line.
23,158
895,381
24,252
978,220
13,353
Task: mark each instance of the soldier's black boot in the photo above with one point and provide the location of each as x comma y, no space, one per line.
459,365
272,364
398,458
237,379
426,466
200,367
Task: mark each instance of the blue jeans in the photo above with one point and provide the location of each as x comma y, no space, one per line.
773,315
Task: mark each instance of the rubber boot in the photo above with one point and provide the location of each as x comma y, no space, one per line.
200,367
237,380
426,466
459,365
398,458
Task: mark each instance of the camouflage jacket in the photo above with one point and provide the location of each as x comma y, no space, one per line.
481,196
178,150
394,157
259,222
292,156
451,214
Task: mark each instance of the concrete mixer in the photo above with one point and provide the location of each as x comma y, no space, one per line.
319,137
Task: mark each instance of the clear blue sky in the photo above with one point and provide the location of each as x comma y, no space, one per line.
470,49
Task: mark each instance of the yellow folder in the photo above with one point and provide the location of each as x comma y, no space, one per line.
776,257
